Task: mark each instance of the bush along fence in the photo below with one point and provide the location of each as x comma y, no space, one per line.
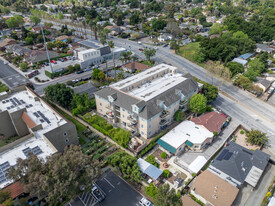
101,132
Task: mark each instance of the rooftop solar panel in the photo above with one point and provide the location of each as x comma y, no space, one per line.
36,150
22,101
35,114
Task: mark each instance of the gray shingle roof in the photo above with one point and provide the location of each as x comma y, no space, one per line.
264,82
151,107
104,50
237,161
85,88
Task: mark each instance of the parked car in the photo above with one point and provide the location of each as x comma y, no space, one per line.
65,59
95,67
97,193
53,61
88,69
140,49
5,62
165,45
32,74
139,43
145,202
79,72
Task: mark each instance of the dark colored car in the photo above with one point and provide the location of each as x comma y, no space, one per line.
140,49
98,194
166,45
80,71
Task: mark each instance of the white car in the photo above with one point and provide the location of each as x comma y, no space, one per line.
139,42
5,62
145,202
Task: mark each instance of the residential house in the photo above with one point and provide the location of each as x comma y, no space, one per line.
213,190
37,29
246,56
17,49
41,130
85,88
264,48
37,56
149,169
15,189
6,42
186,136
63,38
240,61
164,37
237,165
212,121
145,103
115,30
264,84
134,66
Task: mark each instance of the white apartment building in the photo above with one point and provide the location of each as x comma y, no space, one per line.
145,103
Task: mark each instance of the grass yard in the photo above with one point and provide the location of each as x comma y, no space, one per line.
146,62
189,51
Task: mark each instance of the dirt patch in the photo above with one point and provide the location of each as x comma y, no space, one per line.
241,139
157,154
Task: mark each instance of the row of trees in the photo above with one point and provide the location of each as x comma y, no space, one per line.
65,97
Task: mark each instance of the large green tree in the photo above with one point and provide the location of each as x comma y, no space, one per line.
60,178
149,52
60,94
167,197
235,68
34,19
198,103
15,21
257,137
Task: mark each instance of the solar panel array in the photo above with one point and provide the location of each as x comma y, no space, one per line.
43,117
224,155
36,151
3,170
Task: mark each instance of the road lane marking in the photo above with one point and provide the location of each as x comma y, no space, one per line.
109,182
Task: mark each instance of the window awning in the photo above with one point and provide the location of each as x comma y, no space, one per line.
190,144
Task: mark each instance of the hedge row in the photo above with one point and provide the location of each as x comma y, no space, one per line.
152,144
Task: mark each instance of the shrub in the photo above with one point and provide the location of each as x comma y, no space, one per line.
163,155
179,116
152,160
194,174
166,173
241,132
151,190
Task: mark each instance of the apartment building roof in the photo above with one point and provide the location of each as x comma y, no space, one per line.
45,131
150,108
240,163
186,132
187,201
87,51
213,121
214,189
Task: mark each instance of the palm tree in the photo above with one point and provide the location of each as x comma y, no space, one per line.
111,45
103,42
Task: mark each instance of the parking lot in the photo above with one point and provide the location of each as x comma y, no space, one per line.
59,64
116,191
188,157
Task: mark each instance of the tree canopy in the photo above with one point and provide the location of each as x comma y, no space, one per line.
235,68
167,197
15,21
257,137
149,52
60,178
198,103
60,94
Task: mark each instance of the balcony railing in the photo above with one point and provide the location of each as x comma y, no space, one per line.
183,102
163,122
110,114
164,114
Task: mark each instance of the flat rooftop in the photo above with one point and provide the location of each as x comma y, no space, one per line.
186,130
87,51
38,111
8,158
155,87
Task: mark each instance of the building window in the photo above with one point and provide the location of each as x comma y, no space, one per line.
150,126
100,104
67,140
142,126
123,116
196,146
65,134
123,110
150,133
100,110
124,124
175,110
142,133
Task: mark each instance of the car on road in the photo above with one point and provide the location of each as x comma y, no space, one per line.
140,49
139,43
5,62
165,45
97,193
53,61
65,59
88,69
95,67
145,202
79,72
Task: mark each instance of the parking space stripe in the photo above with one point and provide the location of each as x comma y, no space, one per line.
109,182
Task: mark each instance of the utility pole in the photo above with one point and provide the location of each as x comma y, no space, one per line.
46,48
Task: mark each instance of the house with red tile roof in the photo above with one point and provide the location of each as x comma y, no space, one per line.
134,66
213,121
15,189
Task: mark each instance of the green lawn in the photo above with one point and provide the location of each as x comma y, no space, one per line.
189,51
147,63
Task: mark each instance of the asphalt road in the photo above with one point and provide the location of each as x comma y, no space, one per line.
11,77
117,191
